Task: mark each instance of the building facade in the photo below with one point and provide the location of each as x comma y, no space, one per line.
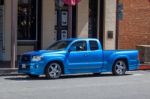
133,24
42,22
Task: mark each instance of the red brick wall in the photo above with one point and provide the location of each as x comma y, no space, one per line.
134,28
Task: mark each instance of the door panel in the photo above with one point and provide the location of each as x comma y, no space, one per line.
76,57
95,56
77,60
95,59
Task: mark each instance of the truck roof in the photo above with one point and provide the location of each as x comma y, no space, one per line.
72,39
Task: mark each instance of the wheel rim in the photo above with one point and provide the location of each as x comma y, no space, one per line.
120,67
54,70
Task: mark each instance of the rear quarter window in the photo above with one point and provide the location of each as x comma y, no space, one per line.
93,45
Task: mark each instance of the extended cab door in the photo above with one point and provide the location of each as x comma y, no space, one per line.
95,55
77,60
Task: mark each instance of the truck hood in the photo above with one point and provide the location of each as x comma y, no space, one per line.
41,52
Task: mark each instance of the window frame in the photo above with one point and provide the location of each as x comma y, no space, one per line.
35,39
86,47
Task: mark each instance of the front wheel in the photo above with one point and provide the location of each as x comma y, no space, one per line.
53,70
119,68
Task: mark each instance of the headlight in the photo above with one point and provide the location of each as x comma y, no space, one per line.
36,58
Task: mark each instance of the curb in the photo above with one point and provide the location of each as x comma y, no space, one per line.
9,71
144,67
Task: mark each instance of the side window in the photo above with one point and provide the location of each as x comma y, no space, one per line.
93,45
79,46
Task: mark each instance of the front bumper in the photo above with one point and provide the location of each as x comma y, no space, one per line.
34,68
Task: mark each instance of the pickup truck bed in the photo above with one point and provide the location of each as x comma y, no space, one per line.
130,56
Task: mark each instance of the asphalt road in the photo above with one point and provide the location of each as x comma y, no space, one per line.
134,85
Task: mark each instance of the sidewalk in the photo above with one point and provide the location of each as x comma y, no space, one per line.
8,71
14,71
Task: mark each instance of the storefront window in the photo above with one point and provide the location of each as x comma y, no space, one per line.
27,20
1,2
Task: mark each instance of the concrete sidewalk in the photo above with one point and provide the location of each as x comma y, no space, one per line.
8,71
14,71
5,69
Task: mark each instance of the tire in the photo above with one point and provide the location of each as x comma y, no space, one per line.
53,70
119,67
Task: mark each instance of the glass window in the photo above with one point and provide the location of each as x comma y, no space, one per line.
27,19
93,45
1,2
79,46
59,45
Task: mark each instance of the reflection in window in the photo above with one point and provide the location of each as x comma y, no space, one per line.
59,45
80,46
27,19
93,45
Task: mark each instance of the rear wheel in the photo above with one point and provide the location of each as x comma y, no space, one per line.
53,70
119,68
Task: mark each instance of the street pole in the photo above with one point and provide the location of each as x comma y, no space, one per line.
13,31
69,21
59,23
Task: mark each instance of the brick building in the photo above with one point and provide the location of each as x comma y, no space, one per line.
134,24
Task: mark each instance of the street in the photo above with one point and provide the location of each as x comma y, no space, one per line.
133,85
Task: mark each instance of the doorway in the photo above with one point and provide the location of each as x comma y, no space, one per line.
29,25
93,18
96,19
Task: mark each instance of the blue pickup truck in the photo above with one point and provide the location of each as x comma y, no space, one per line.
77,56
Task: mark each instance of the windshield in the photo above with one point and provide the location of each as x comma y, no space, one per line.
59,45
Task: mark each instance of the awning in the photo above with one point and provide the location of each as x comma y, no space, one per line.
71,2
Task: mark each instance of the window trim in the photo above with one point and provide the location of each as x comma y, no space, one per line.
80,41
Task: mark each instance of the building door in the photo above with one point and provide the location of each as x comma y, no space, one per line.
29,25
93,18
101,20
1,28
96,19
